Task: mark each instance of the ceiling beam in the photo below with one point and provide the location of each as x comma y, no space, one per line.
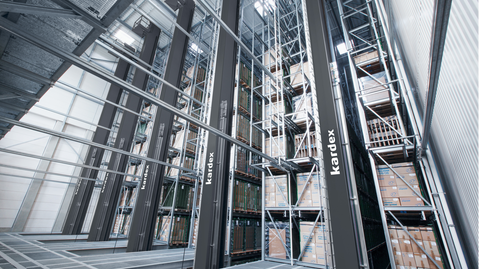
37,10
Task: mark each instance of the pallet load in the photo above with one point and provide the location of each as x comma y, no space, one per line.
297,79
200,75
274,239
408,253
241,161
311,189
197,94
257,234
374,90
394,191
125,197
237,236
239,196
276,195
244,100
249,235
257,108
243,129
195,233
180,230
366,57
302,144
382,132
302,105
164,226
278,146
187,163
313,247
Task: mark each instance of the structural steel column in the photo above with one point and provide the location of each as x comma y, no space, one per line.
345,241
142,227
110,191
212,223
84,188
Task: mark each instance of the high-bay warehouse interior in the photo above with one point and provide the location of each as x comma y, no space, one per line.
239,133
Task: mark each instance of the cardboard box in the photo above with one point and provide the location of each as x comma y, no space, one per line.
320,253
438,260
402,234
389,192
391,202
276,248
306,228
309,254
411,201
427,234
405,245
416,249
421,260
405,191
415,232
409,178
395,245
398,258
387,181
431,248
408,259
393,234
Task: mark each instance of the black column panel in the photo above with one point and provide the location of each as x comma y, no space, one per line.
84,188
345,240
110,191
146,208
212,223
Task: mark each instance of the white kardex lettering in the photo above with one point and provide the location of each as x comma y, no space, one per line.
145,175
334,155
209,165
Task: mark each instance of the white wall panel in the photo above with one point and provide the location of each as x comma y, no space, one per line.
454,128
50,196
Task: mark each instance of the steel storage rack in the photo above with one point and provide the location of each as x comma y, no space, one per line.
414,218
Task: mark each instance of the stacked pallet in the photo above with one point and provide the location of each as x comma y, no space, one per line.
303,143
366,57
237,241
200,75
276,191
184,196
394,191
374,88
278,146
275,238
257,138
246,197
244,100
245,74
242,161
302,105
408,253
313,242
313,195
243,129
180,230
125,197
382,132
163,228
191,141
245,235
257,108
187,163
297,78
197,94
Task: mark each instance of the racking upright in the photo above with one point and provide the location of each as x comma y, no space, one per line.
415,218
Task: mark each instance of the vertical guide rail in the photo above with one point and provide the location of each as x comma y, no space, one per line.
212,222
343,232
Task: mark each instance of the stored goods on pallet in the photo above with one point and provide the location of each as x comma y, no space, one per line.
163,229
239,198
277,240
297,76
243,129
187,163
257,137
244,74
237,236
184,196
196,94
374,90
384,132
271,87
408,253
313,242
136,148
241,160
179,137
249,235
118,226
393,188
366,58
257,108
125,197
200,75
251,192
276,191
244,100
277,146
191,141
269,58
127,224
157,226
305,145
310,190
180,230
131,201
258,231
144,148
272,111
302,105
132,171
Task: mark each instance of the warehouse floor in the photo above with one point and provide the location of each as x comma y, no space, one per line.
267,265
64,251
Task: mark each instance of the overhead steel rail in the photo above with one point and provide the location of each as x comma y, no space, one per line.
75,60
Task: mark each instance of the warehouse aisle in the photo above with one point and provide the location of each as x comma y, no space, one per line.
59,251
